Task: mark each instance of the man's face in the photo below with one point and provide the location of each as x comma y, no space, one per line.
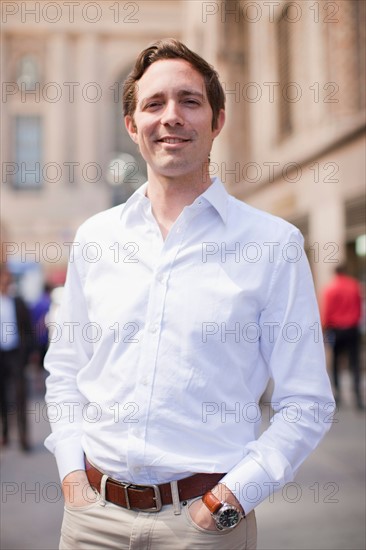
172,123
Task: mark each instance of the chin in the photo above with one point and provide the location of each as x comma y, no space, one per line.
178,168
173,169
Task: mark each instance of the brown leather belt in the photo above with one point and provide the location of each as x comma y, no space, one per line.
150,498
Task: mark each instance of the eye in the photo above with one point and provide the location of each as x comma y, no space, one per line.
153,105
193,102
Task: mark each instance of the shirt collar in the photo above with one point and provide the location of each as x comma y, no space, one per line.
134,204
138,196
216,195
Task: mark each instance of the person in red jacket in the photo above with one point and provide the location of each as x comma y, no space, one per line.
341,311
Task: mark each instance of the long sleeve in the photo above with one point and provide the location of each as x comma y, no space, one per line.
302,399
69,352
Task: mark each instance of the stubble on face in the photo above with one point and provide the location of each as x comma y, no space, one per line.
172,124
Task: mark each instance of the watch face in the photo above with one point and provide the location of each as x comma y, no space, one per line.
228,517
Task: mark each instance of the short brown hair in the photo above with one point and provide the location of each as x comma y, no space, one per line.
170,48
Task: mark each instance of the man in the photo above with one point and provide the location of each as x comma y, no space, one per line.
176,330
341,312
16,345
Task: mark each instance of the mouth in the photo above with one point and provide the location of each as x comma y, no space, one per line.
173,140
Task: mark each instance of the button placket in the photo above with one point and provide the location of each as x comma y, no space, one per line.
150,347
142,395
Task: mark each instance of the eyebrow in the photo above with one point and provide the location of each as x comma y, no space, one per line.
181,93
184,93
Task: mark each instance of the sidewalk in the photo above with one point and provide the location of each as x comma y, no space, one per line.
324,509
31,500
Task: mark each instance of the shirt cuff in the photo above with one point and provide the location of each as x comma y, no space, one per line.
69,457
250,483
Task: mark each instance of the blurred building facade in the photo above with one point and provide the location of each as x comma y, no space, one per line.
294,141
63,65
293,144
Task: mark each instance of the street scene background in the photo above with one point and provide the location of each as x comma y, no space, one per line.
293,145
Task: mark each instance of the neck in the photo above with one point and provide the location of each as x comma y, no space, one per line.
169,196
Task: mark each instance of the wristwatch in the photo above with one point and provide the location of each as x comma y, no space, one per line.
226,515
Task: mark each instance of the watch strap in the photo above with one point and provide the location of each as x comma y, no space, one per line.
212,503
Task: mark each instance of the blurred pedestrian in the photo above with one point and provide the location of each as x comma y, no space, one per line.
16,346
39,312
167,463
341,314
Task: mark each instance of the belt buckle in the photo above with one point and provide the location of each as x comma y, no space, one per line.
125,487
157,497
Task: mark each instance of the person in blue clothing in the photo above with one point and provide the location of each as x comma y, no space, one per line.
39,313
16,347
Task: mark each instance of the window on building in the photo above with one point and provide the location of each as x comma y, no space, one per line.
28,151
28,72
346,53
285,119
233,39
359,23
355,217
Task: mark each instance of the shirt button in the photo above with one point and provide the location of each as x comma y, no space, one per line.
161,279
154,328
137,469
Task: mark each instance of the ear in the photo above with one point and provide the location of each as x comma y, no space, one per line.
131,128
220,123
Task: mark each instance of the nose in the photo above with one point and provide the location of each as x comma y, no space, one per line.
172,115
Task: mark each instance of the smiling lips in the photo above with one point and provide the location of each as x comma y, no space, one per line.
173,140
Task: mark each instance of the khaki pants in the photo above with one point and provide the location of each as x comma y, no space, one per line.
105,526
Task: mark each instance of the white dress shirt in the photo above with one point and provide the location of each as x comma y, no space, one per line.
164,348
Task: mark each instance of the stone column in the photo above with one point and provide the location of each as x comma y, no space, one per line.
56,105
89,97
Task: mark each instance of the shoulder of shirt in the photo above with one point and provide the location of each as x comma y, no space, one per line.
264,222
98,221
